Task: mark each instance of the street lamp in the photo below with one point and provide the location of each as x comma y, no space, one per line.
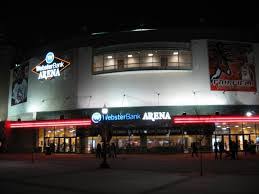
105,110
104,164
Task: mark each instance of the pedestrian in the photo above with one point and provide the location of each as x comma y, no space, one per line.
98,150
245,147
108,150
216,150
232,149
236,150
221,149
113,151
194,149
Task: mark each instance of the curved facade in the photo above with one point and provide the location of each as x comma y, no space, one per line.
153,84
198,76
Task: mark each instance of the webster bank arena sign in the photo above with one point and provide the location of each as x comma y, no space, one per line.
50,67
151,116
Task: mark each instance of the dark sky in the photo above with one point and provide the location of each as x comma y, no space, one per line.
42,21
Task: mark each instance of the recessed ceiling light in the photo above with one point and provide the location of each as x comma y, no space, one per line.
109,57
175,53
129,56
150,54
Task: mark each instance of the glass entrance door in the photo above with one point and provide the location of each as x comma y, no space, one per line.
62,144
70,144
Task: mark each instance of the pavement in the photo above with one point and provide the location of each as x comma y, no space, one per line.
133,173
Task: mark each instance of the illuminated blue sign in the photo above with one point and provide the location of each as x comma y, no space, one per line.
97,117
148,116
49,57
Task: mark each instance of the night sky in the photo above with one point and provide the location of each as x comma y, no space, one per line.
44,21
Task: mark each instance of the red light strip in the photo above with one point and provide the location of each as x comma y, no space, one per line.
47,123
214,119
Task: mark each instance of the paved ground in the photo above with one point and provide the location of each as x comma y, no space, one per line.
160,173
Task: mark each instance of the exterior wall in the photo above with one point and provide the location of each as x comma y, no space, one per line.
6,56
129,89
21,140
77,88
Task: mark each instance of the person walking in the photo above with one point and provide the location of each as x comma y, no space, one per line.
232,149
221,149
216,150
194,149
245,147
98,151
113,151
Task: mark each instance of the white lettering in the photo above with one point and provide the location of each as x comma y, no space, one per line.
153,116
49,74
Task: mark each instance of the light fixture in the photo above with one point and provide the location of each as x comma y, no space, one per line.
214,119
236,126
218,126
150,54
129,56
224,128
175,53
142,29
47,123
248,127
249,114
109,57
105,110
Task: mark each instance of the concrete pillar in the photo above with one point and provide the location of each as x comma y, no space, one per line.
83,144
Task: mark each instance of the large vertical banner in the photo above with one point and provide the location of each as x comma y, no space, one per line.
20,84
231,66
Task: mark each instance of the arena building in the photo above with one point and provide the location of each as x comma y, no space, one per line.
163,90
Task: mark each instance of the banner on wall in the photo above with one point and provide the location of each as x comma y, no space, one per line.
231,66
20,84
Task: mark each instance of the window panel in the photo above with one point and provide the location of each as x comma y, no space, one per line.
159,59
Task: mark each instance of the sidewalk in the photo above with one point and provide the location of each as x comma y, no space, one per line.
128,174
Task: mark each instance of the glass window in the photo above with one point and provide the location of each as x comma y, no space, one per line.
70,132
143,59
109,63
98,63
133,60
49,132
59,132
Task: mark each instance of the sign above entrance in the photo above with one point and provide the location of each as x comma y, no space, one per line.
97,117
50,67
151,116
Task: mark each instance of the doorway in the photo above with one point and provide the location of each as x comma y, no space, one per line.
61,144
